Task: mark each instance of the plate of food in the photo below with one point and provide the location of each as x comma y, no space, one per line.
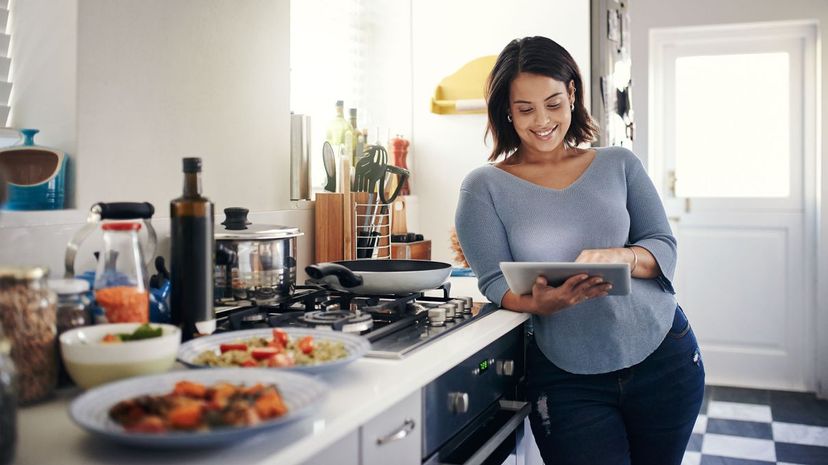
196,408
301,349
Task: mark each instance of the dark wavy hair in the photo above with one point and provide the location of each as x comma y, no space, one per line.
537,55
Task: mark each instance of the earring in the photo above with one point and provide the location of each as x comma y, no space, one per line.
572,107
509,118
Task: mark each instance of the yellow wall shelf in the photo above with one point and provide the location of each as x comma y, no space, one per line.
462,92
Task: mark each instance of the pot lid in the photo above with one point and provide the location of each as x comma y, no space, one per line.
236,226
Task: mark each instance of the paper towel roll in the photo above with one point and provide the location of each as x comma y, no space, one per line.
412,215
470,104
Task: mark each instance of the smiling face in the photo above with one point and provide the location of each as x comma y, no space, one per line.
540,111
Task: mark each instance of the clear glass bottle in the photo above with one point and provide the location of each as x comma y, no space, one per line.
359,137
121,277
340,131
73,311
27,314
8,402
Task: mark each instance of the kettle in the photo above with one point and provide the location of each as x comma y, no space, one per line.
101,212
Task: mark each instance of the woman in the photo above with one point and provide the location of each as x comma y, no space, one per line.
612,379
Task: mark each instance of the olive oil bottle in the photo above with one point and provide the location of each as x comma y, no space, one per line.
191,225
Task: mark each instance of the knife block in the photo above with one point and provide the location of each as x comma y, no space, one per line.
329,227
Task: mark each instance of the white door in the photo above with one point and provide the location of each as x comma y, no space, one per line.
733,154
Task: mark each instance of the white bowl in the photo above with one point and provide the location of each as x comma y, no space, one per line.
91,362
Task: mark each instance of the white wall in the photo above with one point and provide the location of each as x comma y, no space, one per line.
44,72
648,14
159,80
445,36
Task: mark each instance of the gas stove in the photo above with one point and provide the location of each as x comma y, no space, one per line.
395,324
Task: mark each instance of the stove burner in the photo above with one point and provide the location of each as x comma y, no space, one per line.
340,320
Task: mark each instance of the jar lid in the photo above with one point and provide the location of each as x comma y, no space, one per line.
68,286
24,273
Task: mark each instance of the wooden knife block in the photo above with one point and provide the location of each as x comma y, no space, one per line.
329,226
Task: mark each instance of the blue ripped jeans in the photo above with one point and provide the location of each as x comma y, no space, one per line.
641,415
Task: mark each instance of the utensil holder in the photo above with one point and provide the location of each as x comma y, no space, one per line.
371,227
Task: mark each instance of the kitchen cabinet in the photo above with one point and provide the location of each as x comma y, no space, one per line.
395,436
343,452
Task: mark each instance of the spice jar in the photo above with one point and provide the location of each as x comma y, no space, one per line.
8,402
73,310
27,313
121,279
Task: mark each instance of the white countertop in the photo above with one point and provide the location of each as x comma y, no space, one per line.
358,393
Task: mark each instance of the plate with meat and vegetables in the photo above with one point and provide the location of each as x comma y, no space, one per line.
301,349
196,408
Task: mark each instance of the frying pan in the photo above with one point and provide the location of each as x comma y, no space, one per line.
380,276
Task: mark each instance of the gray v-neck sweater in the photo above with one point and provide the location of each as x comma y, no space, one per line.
501,217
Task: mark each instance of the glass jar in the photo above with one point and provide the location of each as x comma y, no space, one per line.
27,313
73,310
8,402
121,279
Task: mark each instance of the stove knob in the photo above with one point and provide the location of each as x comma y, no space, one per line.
458,402
508,367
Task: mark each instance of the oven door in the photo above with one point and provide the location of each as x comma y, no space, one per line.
488,440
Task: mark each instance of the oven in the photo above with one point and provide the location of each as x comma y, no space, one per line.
473,414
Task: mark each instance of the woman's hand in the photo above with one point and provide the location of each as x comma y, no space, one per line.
547,300
642,263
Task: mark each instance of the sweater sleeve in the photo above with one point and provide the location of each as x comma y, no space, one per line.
649,227
484,242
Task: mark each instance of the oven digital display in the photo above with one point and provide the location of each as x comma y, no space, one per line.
484,365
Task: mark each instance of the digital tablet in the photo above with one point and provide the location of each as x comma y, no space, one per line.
521,275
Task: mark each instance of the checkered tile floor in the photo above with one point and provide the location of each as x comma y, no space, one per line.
757,427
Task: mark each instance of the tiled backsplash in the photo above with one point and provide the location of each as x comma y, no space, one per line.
40,238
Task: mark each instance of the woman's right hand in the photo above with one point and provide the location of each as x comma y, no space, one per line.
547,300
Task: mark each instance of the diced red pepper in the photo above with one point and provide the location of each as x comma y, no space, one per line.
261,353
249,363
228,347
305,344
280,337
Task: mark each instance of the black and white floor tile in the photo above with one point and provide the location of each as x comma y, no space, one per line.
757,427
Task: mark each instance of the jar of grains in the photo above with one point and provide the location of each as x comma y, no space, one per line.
8,402
73,310
27,313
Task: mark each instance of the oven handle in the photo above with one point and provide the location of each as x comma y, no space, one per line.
521,411
404,430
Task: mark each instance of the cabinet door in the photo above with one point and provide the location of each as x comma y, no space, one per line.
395,436
343,452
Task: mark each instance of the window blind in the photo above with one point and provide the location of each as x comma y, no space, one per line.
327,43
5,62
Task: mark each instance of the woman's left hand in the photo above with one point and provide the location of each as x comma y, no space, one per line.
619,255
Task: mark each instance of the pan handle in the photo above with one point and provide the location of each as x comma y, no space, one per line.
346,277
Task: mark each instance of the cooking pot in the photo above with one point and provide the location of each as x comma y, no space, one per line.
253,261
386,277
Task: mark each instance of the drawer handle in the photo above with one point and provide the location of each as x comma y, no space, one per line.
404,430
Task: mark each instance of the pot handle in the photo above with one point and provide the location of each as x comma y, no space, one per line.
346,277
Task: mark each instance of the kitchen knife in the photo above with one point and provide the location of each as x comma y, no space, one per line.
329,160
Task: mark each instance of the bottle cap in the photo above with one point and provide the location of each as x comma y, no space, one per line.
68,286
192,165
340,103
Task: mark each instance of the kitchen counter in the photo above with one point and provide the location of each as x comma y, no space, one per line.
359,392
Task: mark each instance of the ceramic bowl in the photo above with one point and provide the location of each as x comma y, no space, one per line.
91,362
